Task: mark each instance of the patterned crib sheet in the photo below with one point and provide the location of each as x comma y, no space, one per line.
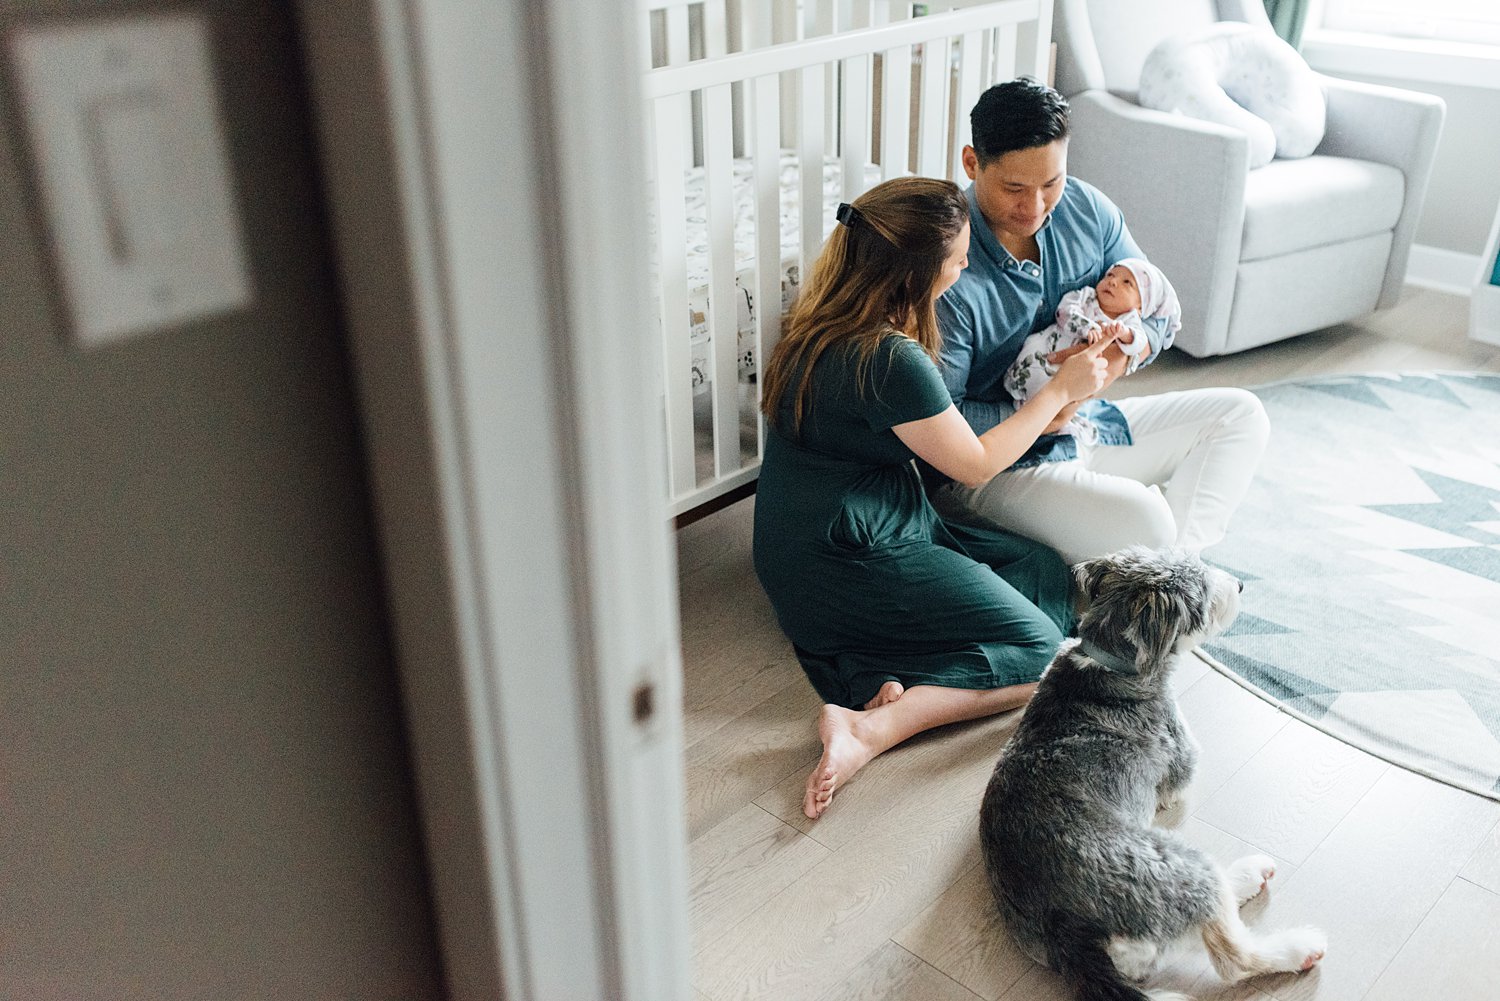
744,252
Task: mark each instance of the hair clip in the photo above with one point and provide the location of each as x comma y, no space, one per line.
848,214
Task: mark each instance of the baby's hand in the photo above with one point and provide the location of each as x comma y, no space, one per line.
1115,329
1095,334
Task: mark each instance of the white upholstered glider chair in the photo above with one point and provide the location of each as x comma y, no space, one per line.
1255,255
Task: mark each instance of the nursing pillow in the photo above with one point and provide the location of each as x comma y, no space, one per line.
1243,76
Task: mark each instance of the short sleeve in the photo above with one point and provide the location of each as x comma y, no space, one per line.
903,384
957,325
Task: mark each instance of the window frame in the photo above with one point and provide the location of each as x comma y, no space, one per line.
1394,19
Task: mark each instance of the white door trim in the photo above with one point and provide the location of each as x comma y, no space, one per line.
479,162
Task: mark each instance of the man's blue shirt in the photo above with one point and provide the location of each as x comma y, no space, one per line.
998,301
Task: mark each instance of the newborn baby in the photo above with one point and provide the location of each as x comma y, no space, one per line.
1129,292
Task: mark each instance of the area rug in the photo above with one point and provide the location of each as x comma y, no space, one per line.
1369,546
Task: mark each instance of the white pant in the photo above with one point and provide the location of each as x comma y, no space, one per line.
1193,456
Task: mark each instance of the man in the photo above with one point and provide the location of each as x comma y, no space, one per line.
1160,470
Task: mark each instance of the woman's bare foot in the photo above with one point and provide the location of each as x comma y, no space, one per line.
889,692
844,753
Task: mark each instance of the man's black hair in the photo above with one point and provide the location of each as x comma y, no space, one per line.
1017,114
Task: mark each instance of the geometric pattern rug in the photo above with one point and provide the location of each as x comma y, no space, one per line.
1369,545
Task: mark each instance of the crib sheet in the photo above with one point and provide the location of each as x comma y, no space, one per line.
744,251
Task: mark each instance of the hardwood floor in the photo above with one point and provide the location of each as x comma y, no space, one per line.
884,899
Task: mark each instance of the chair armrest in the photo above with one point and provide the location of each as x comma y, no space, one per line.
1384,124
1391,126
1181,184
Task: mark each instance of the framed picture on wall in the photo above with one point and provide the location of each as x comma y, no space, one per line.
1484,304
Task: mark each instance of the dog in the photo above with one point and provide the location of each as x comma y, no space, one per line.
1083,881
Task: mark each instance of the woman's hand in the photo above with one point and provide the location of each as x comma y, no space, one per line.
1085,370
948,443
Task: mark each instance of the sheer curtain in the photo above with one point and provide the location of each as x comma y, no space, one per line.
1288,18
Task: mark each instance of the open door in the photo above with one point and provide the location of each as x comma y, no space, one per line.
486,184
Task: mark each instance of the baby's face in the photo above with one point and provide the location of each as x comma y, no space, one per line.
1117,291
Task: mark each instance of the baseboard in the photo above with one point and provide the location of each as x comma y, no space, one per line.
1445,270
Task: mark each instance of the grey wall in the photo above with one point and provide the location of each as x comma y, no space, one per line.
204,786
1465,187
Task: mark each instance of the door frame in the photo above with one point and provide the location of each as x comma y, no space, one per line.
494,285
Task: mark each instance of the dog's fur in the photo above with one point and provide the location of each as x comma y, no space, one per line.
1084,882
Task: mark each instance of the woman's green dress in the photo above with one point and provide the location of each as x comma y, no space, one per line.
866,579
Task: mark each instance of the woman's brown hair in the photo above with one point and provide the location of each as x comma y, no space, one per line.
875,276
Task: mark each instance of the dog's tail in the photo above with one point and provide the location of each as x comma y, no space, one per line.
1077,953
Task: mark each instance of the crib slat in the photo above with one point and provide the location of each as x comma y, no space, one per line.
721,32
933,127
765,132
969,55
1032,45
677,35
786,26
757,16
670,124
718,175
810,165
895,112
854,143
679,53
895,95
1007,48
647,38
818,20
986,58
715,29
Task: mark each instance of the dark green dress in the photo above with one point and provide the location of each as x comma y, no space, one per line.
867,581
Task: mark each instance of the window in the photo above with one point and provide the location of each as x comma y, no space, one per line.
1476,21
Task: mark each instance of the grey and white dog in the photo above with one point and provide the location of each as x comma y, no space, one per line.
1084,882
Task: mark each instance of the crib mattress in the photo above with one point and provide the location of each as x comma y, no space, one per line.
744,251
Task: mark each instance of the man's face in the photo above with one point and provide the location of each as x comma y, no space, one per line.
1018,190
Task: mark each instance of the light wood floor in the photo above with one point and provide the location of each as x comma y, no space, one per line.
884,897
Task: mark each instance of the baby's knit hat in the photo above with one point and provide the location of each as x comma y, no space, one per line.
1158,298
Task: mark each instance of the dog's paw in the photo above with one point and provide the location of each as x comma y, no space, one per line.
1248,876
1296,950
1171,811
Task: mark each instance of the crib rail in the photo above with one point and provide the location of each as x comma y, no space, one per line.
852,44
893,94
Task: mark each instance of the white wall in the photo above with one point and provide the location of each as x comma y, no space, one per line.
1465,187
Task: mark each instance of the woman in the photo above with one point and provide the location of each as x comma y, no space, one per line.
901,622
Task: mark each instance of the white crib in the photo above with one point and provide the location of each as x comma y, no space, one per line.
763,115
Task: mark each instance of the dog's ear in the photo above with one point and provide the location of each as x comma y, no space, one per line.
1105,614
1086,576
1155,624
1163,614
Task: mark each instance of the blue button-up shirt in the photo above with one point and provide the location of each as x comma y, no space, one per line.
998,301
